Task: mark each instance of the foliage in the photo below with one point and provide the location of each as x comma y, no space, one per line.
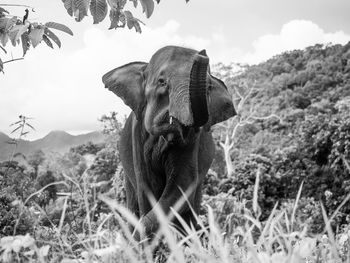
325,146
35,160
20,31
22,247
105,166
15,185
309,91
211,183
246,238
15,180
119,17
111,124
9,217
45,181
87,148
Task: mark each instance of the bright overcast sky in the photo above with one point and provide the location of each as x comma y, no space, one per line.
62,88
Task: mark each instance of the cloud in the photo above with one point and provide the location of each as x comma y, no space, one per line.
296,34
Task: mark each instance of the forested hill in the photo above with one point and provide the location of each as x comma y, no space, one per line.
55,141
317,77
297,86
310,91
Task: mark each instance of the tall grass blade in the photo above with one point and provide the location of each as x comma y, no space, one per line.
330,233
63,214
256,189
296,205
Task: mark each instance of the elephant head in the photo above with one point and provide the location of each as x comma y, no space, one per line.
173,92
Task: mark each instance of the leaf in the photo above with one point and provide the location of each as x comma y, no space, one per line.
17,245
69,5
17,122
16,33
16,129
36,35
137,26
80,9
25,42
24,133
132,22
60,27
27,241
148,7
53,37
44,250
134,2
2,10
129,19
98,9
119,4
30,126
114,16
7,23
3,49
1,66
47,41
4,37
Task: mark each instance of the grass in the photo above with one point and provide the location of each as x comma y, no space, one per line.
242,237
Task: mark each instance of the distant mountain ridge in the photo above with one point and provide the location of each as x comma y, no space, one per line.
55,141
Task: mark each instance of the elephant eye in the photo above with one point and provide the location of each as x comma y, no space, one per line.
161,82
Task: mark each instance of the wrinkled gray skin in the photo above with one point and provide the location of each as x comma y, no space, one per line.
166,144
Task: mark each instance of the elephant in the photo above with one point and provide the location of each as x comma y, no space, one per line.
166,146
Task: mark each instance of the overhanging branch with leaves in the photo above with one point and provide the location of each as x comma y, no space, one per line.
20,31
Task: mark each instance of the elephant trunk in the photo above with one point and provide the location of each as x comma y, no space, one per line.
188,101
198,90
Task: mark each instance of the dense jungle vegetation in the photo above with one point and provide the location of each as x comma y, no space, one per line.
55,207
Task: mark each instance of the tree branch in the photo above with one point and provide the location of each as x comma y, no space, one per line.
264,117
221,125
231,145
3,49
17,5
15,59
235,130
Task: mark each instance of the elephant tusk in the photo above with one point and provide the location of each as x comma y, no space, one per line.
171,120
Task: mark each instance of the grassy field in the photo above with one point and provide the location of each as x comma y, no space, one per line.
242,237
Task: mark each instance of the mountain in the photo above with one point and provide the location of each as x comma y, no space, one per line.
55,141
3,137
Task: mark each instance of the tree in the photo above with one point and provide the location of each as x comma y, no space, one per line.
112,127
245,116
35,160
49,193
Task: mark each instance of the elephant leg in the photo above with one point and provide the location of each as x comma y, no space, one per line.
131,198
188,215
181,169
131,201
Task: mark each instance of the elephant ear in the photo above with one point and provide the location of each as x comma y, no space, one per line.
127,83
220,103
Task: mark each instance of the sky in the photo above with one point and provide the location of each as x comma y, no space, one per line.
61,89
